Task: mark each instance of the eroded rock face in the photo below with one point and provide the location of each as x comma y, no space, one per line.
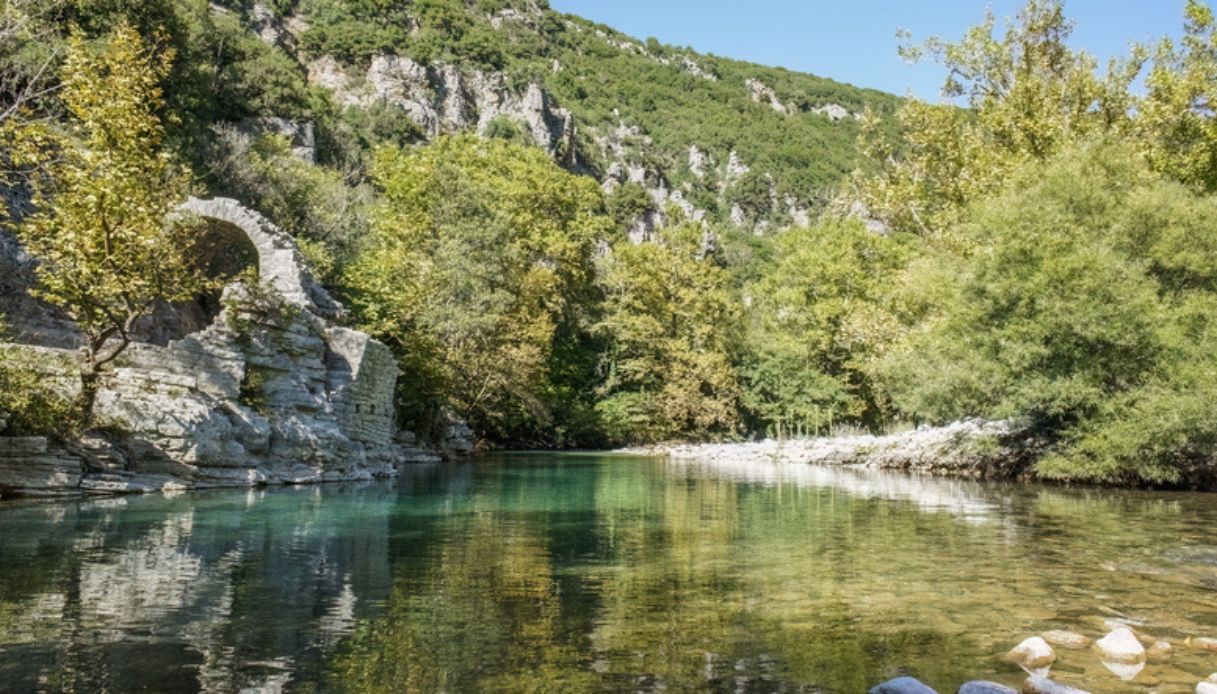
271,392
442,98
763,94
29,320
834,112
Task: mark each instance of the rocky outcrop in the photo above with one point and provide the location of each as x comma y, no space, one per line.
443,98
30,465
27,318
271,392
834,112
763,94
299,134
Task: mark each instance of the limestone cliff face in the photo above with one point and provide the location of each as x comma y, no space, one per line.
443,98
272,391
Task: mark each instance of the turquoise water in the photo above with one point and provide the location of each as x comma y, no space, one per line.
583,573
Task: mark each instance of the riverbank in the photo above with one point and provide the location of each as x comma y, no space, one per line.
973,448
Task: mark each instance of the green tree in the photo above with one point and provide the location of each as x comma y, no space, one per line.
672,328
1175,117
809,329
478,264
1078,312
103,231
1026,93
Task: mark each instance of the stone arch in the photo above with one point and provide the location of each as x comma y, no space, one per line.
226,250
280,265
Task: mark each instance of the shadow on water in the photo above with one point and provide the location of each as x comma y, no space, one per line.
579,573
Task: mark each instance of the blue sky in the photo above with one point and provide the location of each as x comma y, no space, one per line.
855,40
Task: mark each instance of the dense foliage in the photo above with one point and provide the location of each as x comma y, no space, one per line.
1065,274
478,268
1080,311
809,328
670,323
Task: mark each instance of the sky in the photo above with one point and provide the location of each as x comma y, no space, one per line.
855,41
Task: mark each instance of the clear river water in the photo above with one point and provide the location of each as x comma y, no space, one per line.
551,573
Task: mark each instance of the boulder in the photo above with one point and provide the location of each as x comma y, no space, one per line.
1033,653
1066,639
982,687
1042,685
902,685
1121,646
1207,687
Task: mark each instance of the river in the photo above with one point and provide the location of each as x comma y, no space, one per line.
546,572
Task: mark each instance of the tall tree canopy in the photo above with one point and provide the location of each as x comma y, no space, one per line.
479,263
108,246
672,328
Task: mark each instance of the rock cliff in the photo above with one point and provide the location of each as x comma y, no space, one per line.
271,391
444,98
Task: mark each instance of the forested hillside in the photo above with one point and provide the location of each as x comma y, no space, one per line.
571,237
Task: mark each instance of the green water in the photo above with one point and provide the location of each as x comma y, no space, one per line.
582,573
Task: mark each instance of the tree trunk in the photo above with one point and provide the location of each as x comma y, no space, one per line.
89,377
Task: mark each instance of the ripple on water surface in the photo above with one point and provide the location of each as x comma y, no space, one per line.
584,573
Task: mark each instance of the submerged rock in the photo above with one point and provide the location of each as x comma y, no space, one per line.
1042,685
982,687
902,685
1160,649
1066,639
1121,646
1033,653
1204,644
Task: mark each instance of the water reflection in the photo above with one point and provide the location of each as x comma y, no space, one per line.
968,499
566,573
213,592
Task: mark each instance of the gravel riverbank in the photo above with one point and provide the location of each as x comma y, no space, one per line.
970,448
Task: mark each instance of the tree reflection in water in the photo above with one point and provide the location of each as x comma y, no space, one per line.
578,573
